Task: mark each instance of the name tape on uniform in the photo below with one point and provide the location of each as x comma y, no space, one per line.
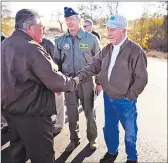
83,46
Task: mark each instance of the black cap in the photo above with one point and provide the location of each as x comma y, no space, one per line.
68,11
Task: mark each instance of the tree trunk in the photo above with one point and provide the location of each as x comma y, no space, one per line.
61,26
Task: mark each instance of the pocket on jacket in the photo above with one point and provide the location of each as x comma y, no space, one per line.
121,76
88,57
63,56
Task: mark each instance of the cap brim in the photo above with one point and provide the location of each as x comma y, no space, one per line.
110,25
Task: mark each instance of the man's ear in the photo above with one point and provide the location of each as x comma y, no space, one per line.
28,27
124,31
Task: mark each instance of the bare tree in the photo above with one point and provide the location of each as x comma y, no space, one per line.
112,7
57,15
160,32
6,24
90,10
162,8
5,13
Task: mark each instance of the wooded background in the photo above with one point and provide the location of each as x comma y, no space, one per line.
150,31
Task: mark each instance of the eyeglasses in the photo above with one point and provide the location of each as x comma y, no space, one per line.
39,25
86,26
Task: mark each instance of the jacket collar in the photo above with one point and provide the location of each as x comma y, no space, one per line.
125,43
80,34
122,46
110,47
22,34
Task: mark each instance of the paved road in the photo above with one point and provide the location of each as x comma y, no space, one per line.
152,122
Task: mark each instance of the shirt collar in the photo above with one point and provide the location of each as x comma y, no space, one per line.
80,34
119,45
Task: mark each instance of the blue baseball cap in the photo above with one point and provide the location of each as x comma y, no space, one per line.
117,21
68,11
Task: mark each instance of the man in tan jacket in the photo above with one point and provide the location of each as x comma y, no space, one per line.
121,66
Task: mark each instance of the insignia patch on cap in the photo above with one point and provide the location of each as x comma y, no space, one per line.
112,18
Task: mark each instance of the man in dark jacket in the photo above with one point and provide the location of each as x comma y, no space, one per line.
29,80
4,125
88,26
59,119
2,38
122,69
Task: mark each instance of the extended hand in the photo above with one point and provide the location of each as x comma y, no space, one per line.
76,79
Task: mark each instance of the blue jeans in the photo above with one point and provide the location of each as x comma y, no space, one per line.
123,110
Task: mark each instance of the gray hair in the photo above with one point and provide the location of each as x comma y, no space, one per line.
88,21
24,17
77,16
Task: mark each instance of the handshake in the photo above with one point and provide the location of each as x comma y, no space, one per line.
98,86
76,79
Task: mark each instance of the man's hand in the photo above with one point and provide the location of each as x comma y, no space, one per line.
76,79
98,89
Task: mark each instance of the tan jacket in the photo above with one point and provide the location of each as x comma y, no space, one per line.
129,75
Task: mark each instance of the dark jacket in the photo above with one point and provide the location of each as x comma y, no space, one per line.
96,34
29,77
129,75
48,46
2,38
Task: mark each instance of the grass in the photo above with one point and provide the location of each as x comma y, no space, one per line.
157,54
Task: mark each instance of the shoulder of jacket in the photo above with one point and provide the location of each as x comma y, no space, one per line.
60,39
34,47
105,50
96,32
136,47
47,41
107,47
90,35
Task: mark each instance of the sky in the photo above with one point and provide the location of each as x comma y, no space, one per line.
131,10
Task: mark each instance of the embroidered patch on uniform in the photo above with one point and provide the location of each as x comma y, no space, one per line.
66,46
83,46
112,18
